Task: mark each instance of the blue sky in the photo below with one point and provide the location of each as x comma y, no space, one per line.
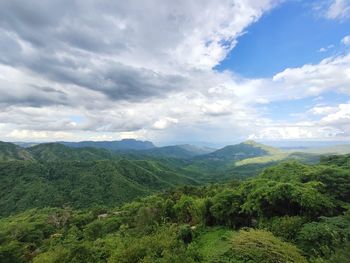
290,35
215,71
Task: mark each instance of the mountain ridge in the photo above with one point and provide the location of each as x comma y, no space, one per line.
125,144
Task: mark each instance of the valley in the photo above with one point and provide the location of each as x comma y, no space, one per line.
63,203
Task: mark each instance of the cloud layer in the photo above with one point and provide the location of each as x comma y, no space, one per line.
74,70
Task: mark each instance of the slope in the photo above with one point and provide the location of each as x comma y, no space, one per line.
10,151
29,184
217,165
58,152
177,151
123,145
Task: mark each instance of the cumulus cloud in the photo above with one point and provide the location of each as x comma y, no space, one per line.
124,67
145,70
330,74
126,50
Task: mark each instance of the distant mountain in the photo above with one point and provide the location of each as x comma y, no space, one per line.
59,152
26,144
221,164
10,152
126,144
177,151
77,184
244,150
197,150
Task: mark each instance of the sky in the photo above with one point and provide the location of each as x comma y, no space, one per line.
175,70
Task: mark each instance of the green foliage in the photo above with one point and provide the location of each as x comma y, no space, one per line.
12,252
341,254
25,185
298,203
270,198
187,210
11,152
261,247
286,227
213,243
335,179
321,238
226,209
49,152
163,246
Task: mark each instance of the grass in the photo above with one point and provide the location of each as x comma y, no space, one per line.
213,243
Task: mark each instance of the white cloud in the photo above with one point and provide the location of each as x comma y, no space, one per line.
127,68
331,74
318,110
145,70
338,9
339,116
346,40
325,49
164,123
38,135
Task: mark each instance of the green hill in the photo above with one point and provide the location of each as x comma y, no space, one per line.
185,151
29,184
59,152
123,145
218,165
10,151
291,212
244,150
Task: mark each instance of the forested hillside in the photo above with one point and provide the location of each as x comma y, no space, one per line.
291,212
66,204
29,184
200,163
177,151
49,152
10,151
126,144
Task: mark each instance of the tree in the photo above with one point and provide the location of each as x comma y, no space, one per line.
226,209
187,210
259,246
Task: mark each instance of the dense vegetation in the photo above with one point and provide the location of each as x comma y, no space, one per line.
201,163
291,212
125,144
9,152
79,184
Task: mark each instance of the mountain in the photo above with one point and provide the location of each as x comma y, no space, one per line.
244,150
197,150
10,151
77,184
221,164
59,152
25,144
125,144
177,151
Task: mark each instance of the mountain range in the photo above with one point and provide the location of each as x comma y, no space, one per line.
123,169
125,144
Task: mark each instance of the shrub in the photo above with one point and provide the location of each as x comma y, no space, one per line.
321,238
262,247
286,227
